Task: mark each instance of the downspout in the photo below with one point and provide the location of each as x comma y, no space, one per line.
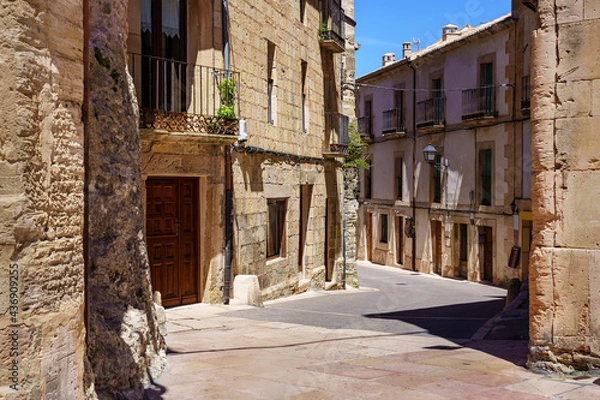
86,156
414,167
228,152
343,178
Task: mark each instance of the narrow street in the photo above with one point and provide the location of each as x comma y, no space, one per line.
402,335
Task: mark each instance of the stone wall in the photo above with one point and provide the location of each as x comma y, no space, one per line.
41,200
564,283
125,348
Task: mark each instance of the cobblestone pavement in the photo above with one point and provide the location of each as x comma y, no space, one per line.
216,354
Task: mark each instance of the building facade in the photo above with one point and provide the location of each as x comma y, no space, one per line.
243,129
463,101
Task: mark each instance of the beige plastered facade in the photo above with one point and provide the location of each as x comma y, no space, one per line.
402,182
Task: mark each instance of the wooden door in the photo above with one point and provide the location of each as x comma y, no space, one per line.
369,238
171,231
436,244
488,254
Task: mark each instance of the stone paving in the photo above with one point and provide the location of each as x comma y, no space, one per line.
215,355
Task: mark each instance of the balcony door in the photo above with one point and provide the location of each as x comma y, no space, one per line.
163,24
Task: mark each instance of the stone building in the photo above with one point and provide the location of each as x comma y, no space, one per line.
466,212
272,164
564,279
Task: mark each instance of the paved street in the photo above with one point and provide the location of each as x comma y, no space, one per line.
402,335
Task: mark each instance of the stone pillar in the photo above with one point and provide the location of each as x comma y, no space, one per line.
125,349
351,213
42,348
565,264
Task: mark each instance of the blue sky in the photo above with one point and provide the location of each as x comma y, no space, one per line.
383,25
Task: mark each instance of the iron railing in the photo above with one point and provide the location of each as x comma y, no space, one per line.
525,92
365,127
182,97
336,129
393,121
332,22
479,103
431,112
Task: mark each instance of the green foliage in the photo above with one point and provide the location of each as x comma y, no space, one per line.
356,148
227,94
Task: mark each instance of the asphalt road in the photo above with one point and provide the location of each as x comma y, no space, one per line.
392,301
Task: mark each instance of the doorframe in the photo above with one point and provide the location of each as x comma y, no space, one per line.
201,220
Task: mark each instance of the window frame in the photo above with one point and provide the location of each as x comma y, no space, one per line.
277,216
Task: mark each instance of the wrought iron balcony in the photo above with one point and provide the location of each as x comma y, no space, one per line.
525,92
431,112
479,103
394,122
176,96
331,31
365,128
336,129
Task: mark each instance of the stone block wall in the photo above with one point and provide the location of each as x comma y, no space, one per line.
41,200
564,288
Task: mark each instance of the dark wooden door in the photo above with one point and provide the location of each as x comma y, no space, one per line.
171,230
488,254
436,246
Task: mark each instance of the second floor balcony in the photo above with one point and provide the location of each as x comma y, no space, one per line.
479,103
331,31
176,96
336,131
431,113
365,128
394,122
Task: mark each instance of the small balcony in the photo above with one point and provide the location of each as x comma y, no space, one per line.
365,128
431,114
479,104
331,31
525,93
394,122
336,131
176,96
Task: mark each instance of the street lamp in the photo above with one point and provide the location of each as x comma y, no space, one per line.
430,154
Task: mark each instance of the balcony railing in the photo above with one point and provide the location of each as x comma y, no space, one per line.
365,128
431,112
393,121
181,97
331,31
479,103
336,129
525,92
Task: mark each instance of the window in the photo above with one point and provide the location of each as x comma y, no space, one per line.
163,54
438,100
463,242
436,181
270,82
276,228
302,10
399,172
486,82
485,173
304,67
383,228
368,180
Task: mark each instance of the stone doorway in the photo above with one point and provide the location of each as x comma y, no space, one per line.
172,236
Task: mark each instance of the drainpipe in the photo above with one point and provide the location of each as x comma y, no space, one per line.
343,177
228,152
414,168
86,180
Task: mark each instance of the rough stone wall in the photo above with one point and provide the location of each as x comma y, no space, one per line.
125,349
277,173
564,271
41,200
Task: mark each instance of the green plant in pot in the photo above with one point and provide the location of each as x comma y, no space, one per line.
227,94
